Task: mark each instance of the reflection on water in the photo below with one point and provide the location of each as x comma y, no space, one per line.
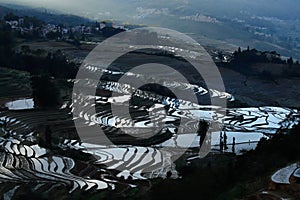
23,104
242,141
80,165
134,162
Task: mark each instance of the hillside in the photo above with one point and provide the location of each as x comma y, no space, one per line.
48,16
264,25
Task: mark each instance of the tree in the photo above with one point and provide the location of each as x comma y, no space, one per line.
6,44
290,61
45,92
202,130
11,17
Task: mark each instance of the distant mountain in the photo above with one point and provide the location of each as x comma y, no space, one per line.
4,11
284,9
46,15
262,24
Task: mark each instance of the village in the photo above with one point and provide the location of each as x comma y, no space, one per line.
31,27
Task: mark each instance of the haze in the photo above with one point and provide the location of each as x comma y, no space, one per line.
121,9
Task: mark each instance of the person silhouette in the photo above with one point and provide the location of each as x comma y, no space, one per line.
221,146
233,144
225,140
202,130
221,141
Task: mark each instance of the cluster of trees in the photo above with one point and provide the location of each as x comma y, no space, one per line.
45,91
36,62
43,66
254,56
249,60
6,43
110,31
